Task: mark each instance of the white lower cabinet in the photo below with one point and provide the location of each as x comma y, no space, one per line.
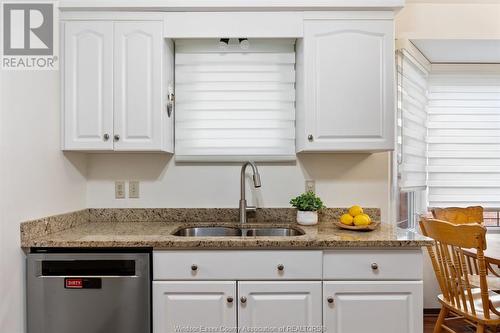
210,306
372,306
343,290
187,306
272,306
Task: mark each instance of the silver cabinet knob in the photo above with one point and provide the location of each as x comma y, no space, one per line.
280,267
330,300
310,137
116,137
229,299
105,136
194,267
243,299
374,266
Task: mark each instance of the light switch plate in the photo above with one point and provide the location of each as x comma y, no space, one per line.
119,189
133,189
310,186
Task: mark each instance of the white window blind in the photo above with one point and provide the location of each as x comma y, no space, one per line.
412,119
234,104
464,138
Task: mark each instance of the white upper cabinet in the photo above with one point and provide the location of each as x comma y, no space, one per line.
88,86
115,86
346,99
137,84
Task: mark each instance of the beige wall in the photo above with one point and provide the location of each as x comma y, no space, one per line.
341,180
438,20
36,178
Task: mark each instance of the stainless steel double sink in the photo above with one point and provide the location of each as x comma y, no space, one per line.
240,231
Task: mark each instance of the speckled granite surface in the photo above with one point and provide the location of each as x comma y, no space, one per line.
154,228
52,224
210,214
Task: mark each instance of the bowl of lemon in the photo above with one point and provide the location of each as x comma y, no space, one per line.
356,219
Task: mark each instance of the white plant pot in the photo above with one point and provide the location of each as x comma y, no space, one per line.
307,217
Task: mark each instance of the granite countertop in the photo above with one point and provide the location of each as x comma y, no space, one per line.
118,228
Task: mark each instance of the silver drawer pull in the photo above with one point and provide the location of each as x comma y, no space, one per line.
243,299
374,266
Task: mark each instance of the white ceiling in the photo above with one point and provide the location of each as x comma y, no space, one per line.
459,50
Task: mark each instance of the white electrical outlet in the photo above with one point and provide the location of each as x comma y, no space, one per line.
120,189
133,189
310,186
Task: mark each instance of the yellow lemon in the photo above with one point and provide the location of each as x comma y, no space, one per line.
368,217
355,210
346,219
361,220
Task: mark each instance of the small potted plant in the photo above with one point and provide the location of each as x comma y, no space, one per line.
307,205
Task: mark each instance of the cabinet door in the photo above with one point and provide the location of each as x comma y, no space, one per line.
349,85
277,304
375,307
137,85
87,85
184,306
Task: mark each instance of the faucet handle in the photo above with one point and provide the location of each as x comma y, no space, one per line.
251,208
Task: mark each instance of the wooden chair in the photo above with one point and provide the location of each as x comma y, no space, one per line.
478,306
459,215
473,214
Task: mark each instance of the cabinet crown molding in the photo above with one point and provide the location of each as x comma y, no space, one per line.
232,5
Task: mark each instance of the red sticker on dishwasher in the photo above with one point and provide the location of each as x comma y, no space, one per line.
73,283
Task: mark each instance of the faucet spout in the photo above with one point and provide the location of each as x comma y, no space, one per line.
244,208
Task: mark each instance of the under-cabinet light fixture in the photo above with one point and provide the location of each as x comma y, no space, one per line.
244,43
223,43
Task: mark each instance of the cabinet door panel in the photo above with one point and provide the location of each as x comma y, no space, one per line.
87,85
137,85
179,306
375,307
278,304
350,69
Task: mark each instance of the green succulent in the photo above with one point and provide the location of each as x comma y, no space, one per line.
307,202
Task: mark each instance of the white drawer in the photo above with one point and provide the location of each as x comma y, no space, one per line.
366,264
237,265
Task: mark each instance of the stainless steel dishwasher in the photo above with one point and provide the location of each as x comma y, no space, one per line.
88,293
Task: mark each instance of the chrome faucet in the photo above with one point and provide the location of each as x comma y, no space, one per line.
244,208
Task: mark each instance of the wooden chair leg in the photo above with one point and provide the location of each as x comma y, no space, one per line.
442,316
480,328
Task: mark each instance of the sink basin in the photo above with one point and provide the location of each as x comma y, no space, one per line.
237,232
208,232
283,232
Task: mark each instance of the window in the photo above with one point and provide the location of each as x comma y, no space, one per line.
411,138
411,120
464,136
448,137
235,103
492,218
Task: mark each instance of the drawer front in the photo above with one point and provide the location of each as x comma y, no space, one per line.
237,265
369,264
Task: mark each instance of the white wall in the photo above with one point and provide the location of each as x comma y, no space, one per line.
36,178
341,180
